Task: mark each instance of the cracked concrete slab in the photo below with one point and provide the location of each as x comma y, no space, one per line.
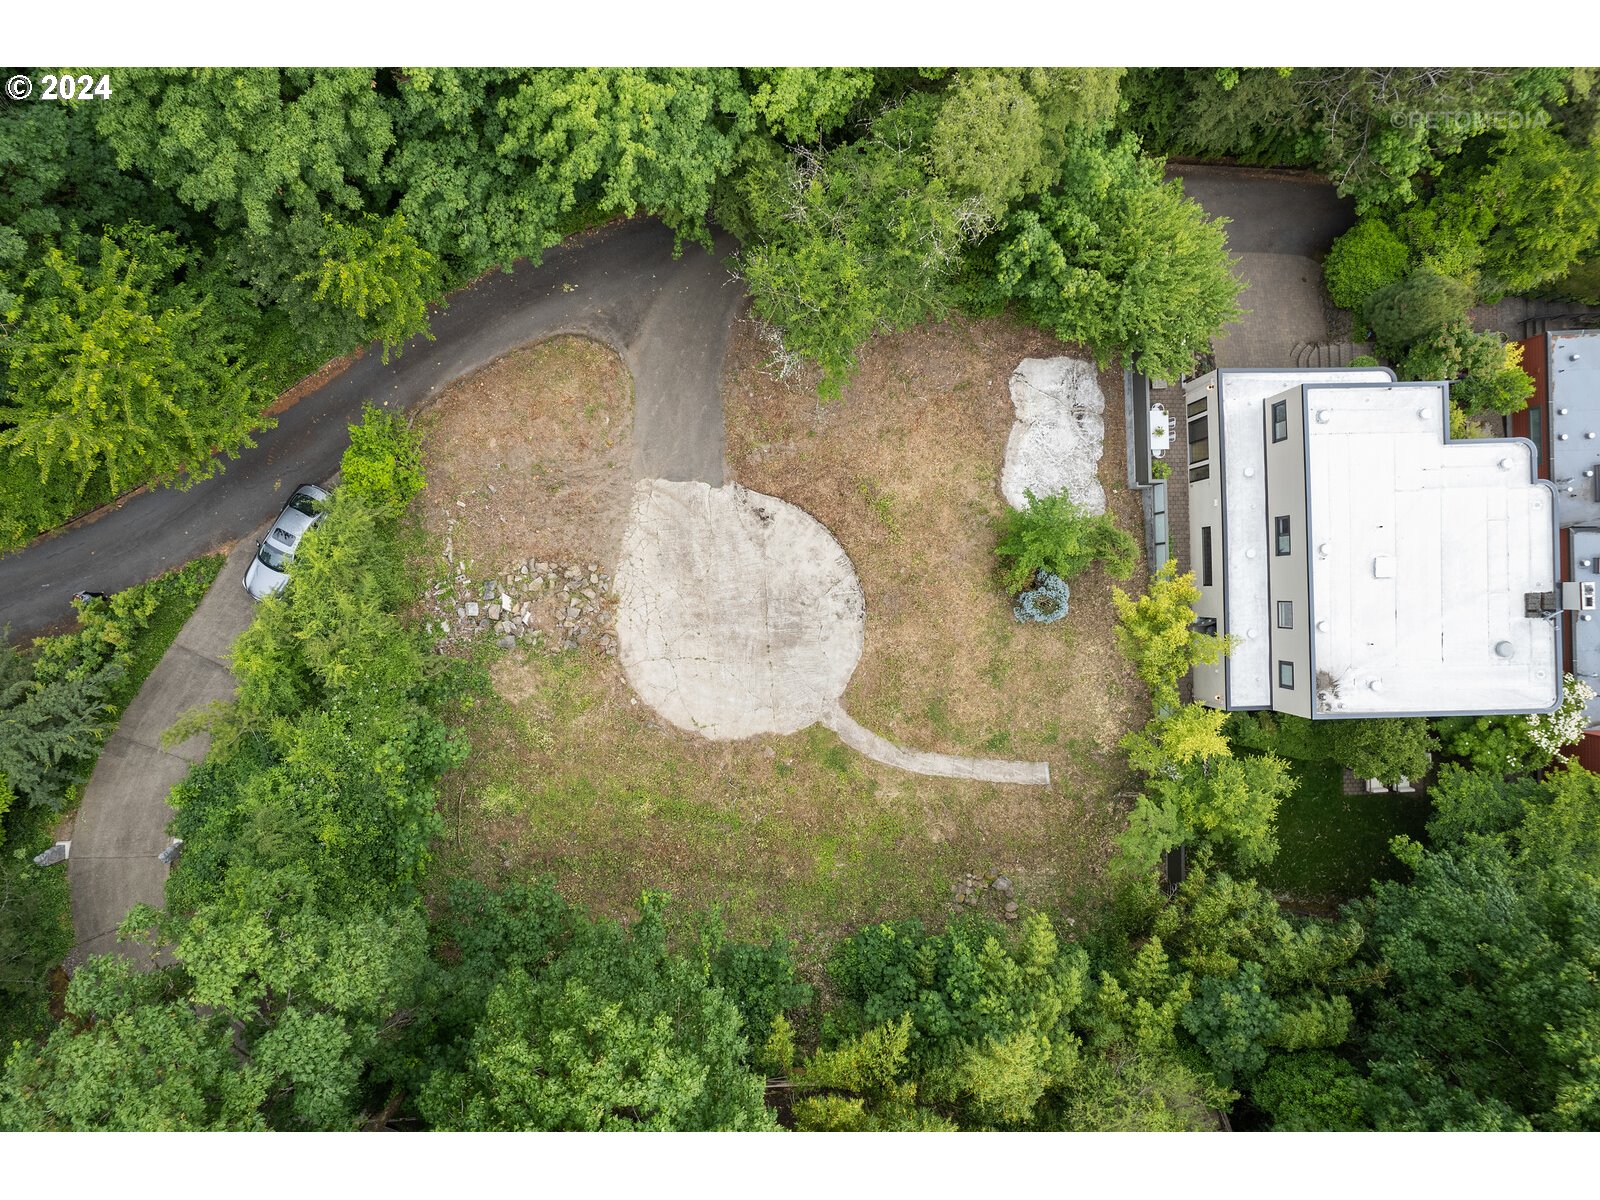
739,614
1056,442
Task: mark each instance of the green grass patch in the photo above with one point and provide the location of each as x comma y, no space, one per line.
1331,846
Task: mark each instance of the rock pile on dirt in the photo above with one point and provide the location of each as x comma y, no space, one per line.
971,890
549,605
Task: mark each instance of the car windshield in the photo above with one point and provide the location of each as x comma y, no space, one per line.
271,557
303,503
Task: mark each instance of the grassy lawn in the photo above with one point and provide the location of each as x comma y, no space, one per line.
35,914
1332,845
572,776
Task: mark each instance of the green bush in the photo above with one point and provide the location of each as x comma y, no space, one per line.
1581,284
1411,310
1312,1092
1368,257
1383,748
1364,360
1485,369
1054,535
383,464
1114,258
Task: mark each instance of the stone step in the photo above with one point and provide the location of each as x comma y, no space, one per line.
1312,356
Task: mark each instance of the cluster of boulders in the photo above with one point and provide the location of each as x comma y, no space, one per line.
971,890
549,605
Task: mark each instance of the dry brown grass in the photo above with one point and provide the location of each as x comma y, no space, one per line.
570,775
530,457
904,470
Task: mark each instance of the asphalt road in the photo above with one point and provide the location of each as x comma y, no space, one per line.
668,319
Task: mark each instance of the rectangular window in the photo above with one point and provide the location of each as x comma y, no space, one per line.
1280,420
1286,674
1198,407
1199,440
1285,614
1203,471
1536,430
1280,531
1205,556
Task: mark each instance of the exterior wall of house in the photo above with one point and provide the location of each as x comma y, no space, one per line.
1207,539
1288,578
1533,422
1588,752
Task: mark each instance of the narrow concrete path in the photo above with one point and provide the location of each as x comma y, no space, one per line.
121,824
920,762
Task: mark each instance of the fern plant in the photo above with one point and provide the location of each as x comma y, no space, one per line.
1055,536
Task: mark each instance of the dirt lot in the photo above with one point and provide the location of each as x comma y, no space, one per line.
573,777
904,470
529,457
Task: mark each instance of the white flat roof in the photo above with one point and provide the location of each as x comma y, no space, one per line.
1242,403
1421,551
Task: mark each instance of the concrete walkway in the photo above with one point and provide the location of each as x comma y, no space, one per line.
121,824
921,762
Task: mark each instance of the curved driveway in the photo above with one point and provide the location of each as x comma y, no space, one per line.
668,319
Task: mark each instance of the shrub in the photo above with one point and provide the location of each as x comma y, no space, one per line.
1411,310
1055,536
1487,369
383,464
1046,602
1364,360
1383,748
1551,731
1157,633
1115,258
1312,1091
1368,257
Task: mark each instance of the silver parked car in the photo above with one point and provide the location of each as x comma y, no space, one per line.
269,568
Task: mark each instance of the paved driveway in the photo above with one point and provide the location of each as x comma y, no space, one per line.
1280,226
668,319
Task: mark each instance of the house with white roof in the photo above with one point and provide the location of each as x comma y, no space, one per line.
1363,563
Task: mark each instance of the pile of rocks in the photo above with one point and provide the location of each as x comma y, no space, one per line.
969,892
552,605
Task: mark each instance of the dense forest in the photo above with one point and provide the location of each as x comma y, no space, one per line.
172,261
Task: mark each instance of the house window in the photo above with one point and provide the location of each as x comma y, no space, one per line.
1286,674
1280,531
1285,614
1197,407
1199,439
1205,556
1536,430
1203,471
1280,420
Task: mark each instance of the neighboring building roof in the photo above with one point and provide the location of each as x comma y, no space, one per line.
1573,387
1585,664
1241,403
1421,552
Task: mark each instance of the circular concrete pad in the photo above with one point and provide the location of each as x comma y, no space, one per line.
738,614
